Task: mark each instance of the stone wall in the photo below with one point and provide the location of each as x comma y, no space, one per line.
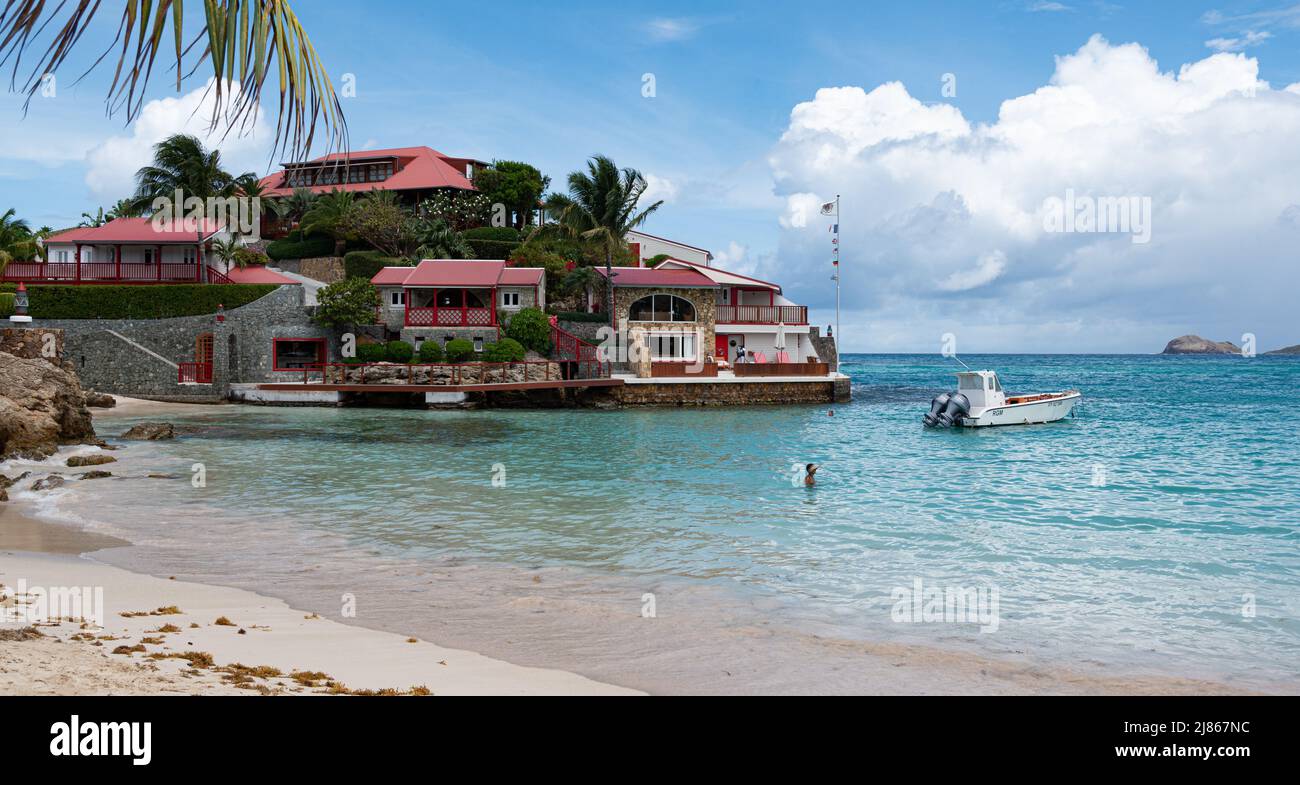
31,343
326,269
728,393
135,356
417,335
826,349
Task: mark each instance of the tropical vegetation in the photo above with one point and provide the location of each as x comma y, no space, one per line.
181,162
347,302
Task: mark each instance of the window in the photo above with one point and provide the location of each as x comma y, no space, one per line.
294,354
510,299
671,347
148,256
662,308
397,299
190,255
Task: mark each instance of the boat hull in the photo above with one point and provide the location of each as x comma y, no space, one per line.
1032,413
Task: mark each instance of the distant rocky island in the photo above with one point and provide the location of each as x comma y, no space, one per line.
1195,344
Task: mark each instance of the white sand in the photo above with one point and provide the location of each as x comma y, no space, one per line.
274,635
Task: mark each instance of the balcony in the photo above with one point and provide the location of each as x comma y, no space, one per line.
110,272
762,314
450,317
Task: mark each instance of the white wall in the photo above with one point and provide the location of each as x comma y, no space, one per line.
653,247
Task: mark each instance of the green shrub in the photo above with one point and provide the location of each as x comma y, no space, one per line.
372,352
165,301
399,352
506,234
311,247
431,352
532,329
6,305
491,249
459,350
246,257
507,350
367,264
347,302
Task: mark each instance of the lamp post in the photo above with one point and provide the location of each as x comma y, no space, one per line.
20,306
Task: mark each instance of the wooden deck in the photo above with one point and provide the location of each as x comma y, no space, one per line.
555,384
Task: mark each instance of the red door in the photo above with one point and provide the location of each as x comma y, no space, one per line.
720,347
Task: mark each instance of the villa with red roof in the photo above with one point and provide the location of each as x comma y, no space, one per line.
444,299
689,313
413,172
134,251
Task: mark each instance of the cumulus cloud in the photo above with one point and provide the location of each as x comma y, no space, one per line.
658,188
943,220
111,166
670,29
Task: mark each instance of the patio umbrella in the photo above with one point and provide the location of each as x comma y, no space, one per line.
779,342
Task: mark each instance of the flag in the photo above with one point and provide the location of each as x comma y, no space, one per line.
828,208
835,228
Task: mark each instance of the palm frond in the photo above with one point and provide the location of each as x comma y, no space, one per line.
243,41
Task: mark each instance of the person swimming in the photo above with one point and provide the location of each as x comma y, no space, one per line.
810,470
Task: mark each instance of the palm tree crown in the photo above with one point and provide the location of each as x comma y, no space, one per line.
182,162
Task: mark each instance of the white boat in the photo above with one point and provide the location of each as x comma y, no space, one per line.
980,401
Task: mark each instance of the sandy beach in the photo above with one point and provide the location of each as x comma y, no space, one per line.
194,652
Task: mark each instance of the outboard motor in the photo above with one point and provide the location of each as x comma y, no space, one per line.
937,406
958,407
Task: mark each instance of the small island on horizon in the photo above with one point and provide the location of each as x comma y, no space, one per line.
1195,344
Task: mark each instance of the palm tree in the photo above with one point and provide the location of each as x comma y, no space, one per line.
94,221
437,240
125,208
602,206
227,251
244,42
182,162
16,239
297,204
329,215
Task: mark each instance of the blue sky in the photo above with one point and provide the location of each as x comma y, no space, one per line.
552,85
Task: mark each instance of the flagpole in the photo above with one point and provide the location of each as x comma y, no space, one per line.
838,334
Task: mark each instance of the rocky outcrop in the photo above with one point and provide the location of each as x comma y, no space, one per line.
1195,344
42,406
49,483
151,432
90,460
1288,350
97,400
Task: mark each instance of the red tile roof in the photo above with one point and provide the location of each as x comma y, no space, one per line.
256,273
459,273
417,168
130,230
647,276
522,276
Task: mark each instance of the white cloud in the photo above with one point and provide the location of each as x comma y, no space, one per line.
669,29
111,166
925,193
987,269
1047,5
1249,39
658,188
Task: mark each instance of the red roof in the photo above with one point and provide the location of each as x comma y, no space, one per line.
647,276
416,168
131,230
256,273
459,273
522,276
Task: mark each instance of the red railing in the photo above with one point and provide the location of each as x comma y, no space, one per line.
450,317
458,373
194,373
109,272
570,348
762,314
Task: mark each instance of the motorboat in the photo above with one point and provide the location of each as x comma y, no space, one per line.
979,401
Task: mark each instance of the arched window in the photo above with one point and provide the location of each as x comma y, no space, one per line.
662,308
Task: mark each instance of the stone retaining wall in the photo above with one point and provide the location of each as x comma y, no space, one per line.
730,393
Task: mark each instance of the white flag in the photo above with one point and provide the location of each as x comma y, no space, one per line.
828,208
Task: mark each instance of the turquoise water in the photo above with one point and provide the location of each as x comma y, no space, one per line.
1157,531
